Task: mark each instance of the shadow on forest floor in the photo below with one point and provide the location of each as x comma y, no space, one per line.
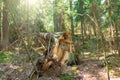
89,69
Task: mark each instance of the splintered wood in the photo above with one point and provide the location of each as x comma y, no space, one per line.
56,56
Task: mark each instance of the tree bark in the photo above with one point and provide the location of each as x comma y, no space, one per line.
5,25
117,28
1,36
99,34
58,17
71,17
111,25
81,18
55,16
95,19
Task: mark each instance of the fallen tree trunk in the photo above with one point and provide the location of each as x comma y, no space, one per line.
56,56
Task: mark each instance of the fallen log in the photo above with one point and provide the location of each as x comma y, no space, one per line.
56,56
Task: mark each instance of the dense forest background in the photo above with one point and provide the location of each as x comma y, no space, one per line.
94,26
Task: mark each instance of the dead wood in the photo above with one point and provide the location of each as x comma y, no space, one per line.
55,57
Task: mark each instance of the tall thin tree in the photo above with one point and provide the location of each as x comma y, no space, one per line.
71,18
58,13
5,25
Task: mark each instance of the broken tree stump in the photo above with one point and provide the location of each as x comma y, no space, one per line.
55,57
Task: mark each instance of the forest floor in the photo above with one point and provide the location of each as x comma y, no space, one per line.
88,69
92,70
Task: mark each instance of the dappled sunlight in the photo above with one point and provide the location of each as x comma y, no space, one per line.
59,40
14,66
33,2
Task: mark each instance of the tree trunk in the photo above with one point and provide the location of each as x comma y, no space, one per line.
94,29
95,19
117,28
85,29
55,16
96,26
71,17
60,22
111,25
1,36
58,17
81,18
117,38
99,34
5,25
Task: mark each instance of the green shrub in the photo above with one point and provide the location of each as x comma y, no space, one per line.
66,77
6,57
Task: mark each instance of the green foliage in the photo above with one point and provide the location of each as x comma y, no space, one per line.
66,76
6,57
72,59
113,63
117,73
105,25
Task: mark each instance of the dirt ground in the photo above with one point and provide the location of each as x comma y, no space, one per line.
88,70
